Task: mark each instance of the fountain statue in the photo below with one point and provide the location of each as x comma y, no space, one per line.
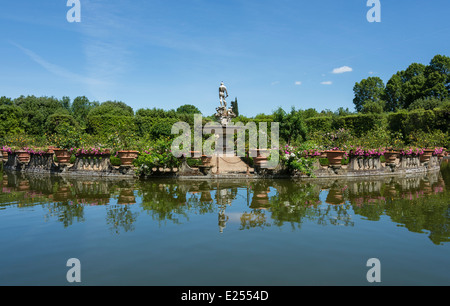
224,114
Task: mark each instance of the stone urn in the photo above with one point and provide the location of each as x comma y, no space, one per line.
23,156
426,156
335,157
127,157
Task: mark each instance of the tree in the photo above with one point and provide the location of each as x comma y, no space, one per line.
393,93
113,108
370,89
292,125
80,108
37,110
441,64
429,103
234,107
11,120
373,107
418,82
6,101
188,109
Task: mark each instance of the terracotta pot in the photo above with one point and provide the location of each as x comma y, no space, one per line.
50,149
335,157
4,154
391,156
206,159
127,157
23,156
261,157
62,155
426,156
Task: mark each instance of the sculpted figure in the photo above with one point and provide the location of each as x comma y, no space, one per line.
223,94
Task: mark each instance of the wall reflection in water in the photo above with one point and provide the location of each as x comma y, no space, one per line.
418,203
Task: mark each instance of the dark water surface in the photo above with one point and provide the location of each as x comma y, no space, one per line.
225,232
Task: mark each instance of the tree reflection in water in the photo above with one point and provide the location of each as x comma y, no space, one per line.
418,203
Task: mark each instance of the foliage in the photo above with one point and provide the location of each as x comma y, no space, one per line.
299,159
429,140
292,126
65,136
370,89
428,103
20,141
157,155
122,138
188,109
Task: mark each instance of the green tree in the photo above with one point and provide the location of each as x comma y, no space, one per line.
235,107
393,93
6,101
292,125
373,107
12,120
370,89
441,64
36,111
188,109
112,108
81,106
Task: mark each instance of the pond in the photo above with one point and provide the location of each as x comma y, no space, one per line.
166,232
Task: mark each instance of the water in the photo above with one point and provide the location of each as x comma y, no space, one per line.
225,232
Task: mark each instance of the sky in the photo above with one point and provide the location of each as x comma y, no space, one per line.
166,53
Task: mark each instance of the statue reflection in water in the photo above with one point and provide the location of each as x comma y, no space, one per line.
224,198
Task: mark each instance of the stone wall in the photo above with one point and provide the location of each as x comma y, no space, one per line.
84,165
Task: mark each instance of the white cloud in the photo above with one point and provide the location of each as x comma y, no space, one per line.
342,69
326,83
298,83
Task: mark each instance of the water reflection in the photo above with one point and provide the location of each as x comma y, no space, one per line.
418,203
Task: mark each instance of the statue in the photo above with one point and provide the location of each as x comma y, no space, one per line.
224,114
223,94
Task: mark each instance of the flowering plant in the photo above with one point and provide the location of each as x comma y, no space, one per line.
412,152
35,151
89,151
297,159
438,151
7,149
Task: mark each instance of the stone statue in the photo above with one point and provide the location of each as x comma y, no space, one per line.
224,114
223,94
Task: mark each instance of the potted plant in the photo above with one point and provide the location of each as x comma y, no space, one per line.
23,155
335,156
5,152
391,155
426,156
62,155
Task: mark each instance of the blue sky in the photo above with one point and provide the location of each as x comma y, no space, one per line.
166,53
